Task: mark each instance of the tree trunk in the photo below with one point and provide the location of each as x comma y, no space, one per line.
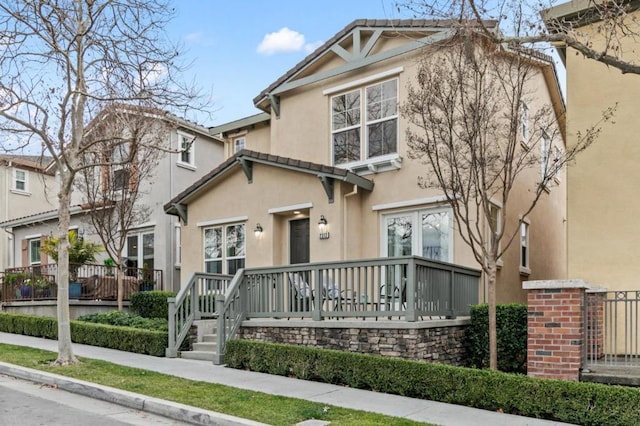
493,335
120,280
65,349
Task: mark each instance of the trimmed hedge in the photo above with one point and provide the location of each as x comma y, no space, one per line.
572,402
511,321
124,319
121,338
151,304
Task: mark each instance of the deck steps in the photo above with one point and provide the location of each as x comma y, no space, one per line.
206,347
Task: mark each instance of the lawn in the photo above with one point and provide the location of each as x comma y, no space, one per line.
271,409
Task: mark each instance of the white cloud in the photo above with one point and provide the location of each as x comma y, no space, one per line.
284,40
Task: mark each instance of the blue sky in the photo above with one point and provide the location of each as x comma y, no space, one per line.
237,48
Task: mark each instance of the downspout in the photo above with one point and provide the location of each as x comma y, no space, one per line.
344,221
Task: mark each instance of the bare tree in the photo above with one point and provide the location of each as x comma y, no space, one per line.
532,23
467,111
127,143
62,61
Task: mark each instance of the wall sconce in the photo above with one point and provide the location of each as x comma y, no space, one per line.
258,230
322,226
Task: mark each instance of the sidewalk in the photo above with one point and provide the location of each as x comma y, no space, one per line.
392,405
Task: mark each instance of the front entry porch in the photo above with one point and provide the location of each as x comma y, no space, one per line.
374,291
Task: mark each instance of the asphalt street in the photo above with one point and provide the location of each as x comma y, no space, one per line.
24,403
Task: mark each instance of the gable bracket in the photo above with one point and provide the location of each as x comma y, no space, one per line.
328,185
181,211
247,168
372,41
275,104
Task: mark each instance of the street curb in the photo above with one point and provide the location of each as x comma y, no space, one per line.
172,410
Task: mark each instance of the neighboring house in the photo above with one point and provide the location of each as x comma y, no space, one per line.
602,186
314,186
156,242
26,187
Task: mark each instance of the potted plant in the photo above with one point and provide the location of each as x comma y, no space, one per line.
81,252
42,286
109,263
18,280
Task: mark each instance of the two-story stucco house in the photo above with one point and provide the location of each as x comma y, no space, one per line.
189,152
26,187
317,177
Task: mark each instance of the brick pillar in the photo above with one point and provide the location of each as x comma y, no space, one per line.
555,328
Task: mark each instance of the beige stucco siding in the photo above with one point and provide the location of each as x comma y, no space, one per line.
603,206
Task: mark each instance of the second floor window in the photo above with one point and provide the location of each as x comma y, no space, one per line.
364,123
20,180
186,145
34,251
239,144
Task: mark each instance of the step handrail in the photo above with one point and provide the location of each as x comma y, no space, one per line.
195,299
231,313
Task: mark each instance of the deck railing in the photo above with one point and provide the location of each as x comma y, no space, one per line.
88,282
407,288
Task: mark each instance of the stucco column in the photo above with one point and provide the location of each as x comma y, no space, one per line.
556,329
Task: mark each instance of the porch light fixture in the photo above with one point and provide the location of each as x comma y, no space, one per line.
258,230
322,223
322,226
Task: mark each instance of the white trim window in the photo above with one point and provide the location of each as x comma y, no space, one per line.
224,248
121,160
378,105
186,145
239,144
545,151
35,256
524,248
427,233
20,180
524,122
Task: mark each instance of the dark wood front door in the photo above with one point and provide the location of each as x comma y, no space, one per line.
299,241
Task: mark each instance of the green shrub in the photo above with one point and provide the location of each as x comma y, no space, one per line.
124,319
572,402
511,322
127,339
151,304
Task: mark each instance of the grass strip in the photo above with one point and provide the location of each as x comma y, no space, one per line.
258,406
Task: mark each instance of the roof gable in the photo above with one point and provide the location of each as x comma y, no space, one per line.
361,43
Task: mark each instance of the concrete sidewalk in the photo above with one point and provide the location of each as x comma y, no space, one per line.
392,405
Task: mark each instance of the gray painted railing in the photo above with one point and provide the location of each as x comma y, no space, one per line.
195,301
404,287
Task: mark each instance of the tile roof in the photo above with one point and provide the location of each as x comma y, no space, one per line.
274,160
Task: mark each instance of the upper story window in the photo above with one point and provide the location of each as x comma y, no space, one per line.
524,122
120,171
364,122
186,144
20,180
238,144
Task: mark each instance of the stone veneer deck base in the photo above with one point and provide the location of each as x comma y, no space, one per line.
432,341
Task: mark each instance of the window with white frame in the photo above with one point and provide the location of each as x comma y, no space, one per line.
34,251
545,148
524,122
427,233
238,144
224,248
524,247
369,114
186,144
121,163
20,180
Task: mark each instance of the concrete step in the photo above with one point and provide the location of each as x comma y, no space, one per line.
209,338
198,355
206,347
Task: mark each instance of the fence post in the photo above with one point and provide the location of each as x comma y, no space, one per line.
172,350
221,332
555,328
410,290
452,311
195,298
317,296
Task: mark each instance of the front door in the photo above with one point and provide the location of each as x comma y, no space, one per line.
299,241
